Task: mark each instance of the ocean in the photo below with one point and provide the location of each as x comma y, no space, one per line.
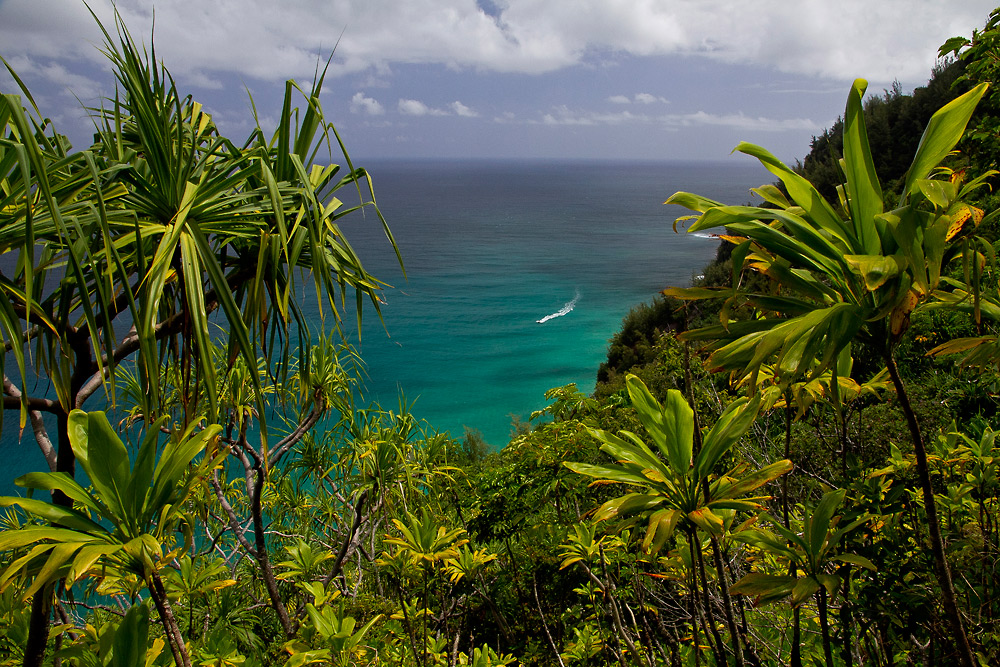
517,275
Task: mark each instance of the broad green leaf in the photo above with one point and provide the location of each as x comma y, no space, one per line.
131,638
734,422
943,131
818,523
58,559
707,520
759,583
800,190
55,514
102,456
671,425
51,481
755,479
875,269
14,539
662,524
862,182
86,557
804,589
855,559
691,201
627,505
607,473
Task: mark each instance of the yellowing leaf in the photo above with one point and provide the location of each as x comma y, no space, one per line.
899,320
957,222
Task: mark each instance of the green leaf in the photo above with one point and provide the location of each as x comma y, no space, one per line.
15,539
607,473
804,588
758,583
662,524
862,182
671,425
734,422
627,505
801,191
818,523
855,559
754,480
52,481
875,269
131,638
943,131
55,514
707,520
102,456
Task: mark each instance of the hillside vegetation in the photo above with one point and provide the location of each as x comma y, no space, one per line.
792,461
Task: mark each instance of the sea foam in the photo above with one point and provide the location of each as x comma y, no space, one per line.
565,310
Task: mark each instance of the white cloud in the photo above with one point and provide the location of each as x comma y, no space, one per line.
462,110
366,105
741,122
263,39
418,108
619,99
563,115
646,98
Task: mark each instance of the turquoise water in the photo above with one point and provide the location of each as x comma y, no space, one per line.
517,276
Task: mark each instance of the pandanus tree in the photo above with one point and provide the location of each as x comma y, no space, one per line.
680,486
844,271
125,250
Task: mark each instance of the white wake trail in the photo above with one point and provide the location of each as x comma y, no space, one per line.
565,310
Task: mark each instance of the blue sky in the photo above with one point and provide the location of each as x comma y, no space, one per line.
623,79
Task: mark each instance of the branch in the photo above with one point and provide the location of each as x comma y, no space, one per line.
11,402
232,520
292,438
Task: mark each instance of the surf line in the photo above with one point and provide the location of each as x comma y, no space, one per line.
565,310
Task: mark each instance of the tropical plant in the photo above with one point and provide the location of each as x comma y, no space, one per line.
426,545
843,272
128,521
807,557
681,487
126,249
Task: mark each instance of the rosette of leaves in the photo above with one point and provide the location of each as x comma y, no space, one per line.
678,486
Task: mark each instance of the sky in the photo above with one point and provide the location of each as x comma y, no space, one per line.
519,79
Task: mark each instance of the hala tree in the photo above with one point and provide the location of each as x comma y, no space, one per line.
124,250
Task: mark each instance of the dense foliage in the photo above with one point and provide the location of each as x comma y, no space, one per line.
829,498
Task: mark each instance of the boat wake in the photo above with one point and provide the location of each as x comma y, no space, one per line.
565,310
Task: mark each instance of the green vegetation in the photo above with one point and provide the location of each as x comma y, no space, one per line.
792,461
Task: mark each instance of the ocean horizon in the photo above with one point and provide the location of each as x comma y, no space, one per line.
519,272
517,275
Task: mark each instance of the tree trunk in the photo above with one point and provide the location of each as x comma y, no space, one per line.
260,544
933,527
38,628
41,603
727,602
824,626
170,625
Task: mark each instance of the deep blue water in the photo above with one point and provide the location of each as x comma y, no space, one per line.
518,274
